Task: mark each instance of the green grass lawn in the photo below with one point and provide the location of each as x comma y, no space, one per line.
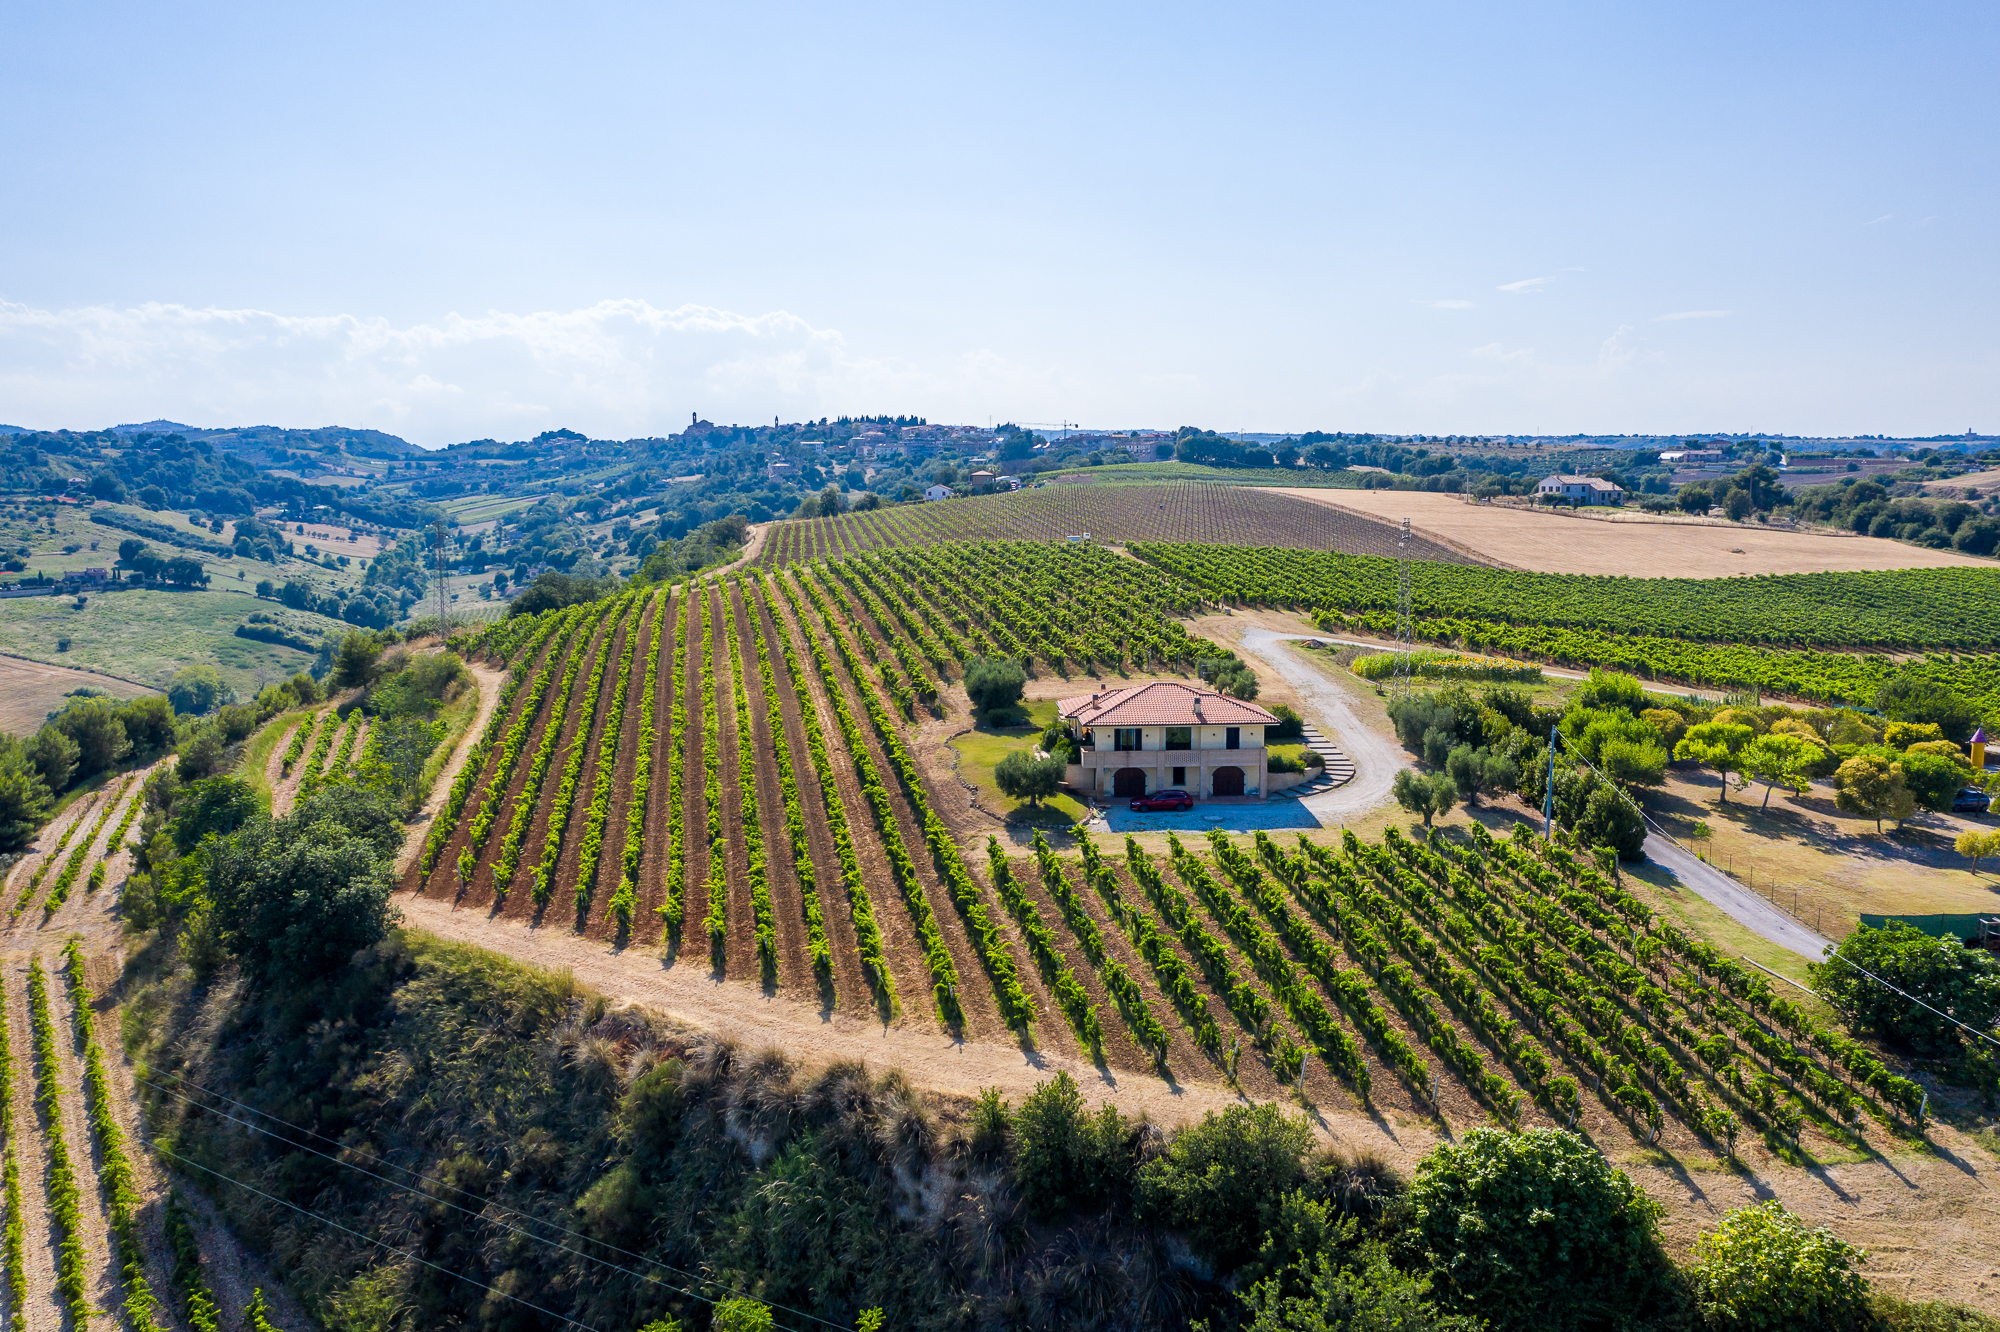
148,634
980,750
1296,753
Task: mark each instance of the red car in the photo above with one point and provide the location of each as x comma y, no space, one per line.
1169,799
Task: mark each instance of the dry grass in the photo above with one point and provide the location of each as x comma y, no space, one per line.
1549,541
1824,866
30,691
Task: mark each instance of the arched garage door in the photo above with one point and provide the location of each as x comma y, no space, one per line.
1228,781
1132,782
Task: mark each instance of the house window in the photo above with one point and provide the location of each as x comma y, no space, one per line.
1232,737
1124,737
1180,777
1179,737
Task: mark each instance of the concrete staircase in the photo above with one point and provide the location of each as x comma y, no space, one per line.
1339,769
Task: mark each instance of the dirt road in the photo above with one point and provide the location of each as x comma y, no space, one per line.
1376,759
797,1024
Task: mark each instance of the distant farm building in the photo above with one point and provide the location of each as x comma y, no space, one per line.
1691,456
1580,489
937,492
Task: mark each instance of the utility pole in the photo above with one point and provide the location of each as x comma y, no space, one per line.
1549,788
1405,629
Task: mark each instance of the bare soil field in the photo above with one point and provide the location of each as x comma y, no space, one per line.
1557,541
31,690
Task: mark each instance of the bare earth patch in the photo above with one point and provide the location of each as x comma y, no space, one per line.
31,690
1555,541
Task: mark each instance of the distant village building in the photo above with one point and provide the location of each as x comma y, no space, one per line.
779,468
982,480
1580,489
937,492
1691,456
1007,482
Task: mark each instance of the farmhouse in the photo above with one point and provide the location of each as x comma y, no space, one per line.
1691,456
1164,735
1580,489
937,492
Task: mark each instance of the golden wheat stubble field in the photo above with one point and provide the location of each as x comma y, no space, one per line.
1552,541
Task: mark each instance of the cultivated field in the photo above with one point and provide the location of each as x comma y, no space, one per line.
1176,511
1629,544
31,690
146,634
1779,633
724,770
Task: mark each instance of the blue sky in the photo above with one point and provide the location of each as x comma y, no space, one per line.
456,221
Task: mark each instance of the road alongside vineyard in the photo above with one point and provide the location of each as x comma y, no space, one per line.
1741,904
1376,759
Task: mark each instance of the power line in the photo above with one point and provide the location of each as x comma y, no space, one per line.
477,1215
154,1143
1831,953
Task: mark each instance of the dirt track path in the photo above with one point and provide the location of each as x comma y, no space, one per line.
792,1021
490,682
1376,759
31,1156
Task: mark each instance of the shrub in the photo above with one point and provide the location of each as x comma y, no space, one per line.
1762,1269
218,805
1222,1181
994,682
1537,1230
298,897
1065,1159
1364,1293
1962,982
198,689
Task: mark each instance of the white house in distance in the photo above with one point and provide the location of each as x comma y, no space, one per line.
1167,735
937,492
1580,489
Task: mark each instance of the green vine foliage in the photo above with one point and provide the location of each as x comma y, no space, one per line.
115,1173
65,1195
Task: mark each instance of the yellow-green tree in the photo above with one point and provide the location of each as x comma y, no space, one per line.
1718,746
1762,1269
1778,759
1872,787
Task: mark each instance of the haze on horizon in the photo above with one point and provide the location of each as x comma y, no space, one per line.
458,221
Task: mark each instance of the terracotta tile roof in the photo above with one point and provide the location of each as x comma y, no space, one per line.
1163,703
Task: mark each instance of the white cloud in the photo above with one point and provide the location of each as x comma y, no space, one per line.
1874,221
618,368
1692,314
1447,305
1493,351
1526,286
